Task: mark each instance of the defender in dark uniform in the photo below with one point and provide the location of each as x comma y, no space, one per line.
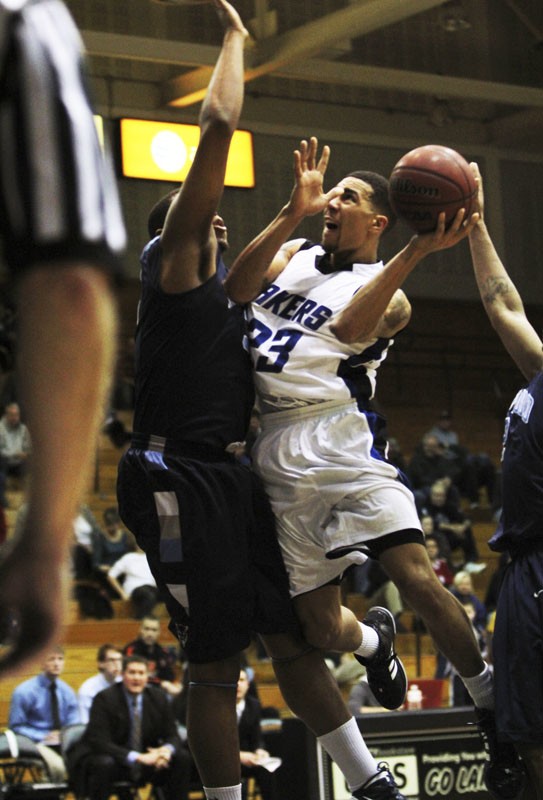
62,236
518,635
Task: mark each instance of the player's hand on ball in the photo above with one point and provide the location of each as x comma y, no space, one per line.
445,237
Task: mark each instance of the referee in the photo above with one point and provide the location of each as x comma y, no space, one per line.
62,235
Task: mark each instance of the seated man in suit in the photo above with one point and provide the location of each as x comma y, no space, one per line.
131,736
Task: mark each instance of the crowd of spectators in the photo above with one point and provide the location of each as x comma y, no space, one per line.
93,737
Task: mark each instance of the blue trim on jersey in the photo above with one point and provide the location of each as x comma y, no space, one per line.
353,372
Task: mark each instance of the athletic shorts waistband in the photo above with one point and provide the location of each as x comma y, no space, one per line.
197,450
327,408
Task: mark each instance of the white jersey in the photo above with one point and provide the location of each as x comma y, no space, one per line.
297,358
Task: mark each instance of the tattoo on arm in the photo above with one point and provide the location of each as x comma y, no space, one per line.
495,288
397,312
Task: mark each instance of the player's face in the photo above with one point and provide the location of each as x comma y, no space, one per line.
349,217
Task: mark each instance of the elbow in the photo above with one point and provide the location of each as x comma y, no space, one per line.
236,294
217,118
346,334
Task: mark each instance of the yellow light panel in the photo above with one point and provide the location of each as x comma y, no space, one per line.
164,151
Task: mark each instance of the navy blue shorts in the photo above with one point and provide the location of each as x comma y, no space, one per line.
209,535
517,647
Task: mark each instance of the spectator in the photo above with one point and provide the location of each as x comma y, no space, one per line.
15,443
131,736
361,698
40,707
429,529
472,470
428,465
160,662
111,543
439,565
450,520
132,579
86,528
463,590
110,662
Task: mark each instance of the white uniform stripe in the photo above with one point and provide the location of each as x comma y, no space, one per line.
83,135
49,212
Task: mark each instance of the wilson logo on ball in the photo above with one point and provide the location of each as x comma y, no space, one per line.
406,186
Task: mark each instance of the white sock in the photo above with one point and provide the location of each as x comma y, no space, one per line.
348,749
370,642
481,688
223,792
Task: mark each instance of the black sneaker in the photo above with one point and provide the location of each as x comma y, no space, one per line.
504,772
380,786
386,673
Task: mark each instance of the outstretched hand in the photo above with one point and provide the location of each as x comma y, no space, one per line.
307,196
230,17
32,600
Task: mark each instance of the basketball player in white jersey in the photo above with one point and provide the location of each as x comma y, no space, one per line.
320,321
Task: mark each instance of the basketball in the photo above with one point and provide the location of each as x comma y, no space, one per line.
429,180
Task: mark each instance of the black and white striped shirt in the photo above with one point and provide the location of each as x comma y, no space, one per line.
58,198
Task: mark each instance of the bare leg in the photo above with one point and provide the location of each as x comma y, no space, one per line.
326,624
212,724
445,619
307,685
67,342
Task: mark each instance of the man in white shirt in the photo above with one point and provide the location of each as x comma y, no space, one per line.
132,579
110,662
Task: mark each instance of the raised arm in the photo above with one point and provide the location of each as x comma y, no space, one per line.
268,255
501,299
379,309
186,241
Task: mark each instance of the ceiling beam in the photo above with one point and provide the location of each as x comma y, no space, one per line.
267,55
357,19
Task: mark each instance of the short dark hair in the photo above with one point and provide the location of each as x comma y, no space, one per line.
157,215
111,515
104,649
379,197
134,659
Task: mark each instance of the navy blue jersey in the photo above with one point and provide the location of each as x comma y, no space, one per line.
522,471
193,375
